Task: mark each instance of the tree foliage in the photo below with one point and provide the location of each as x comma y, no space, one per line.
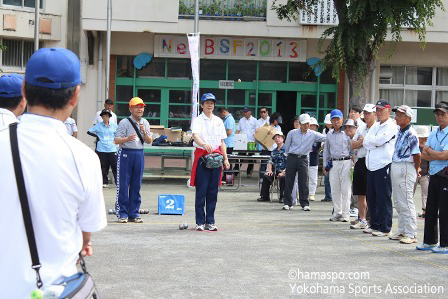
363,28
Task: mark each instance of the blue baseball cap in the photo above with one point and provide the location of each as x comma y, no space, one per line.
53,68
207,97
11,86
336,113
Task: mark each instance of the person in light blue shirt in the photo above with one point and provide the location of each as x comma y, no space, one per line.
230,125
105,147
436,152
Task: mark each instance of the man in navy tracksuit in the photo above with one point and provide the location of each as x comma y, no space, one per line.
131,162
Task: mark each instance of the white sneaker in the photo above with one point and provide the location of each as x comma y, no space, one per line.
285,207
306,208
368,230
361,224
311,198
397,236
381,234
105,186
354,212
335,218
200,227
211,227
408,240
345,219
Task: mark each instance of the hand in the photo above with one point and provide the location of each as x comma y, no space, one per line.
88,250
226,164
418,172
142,129
281,174
131,137
269,173
208,148
325,172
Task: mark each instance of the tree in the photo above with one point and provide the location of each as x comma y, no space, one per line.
361,32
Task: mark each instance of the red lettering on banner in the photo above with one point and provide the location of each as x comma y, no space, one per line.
209,46
293,49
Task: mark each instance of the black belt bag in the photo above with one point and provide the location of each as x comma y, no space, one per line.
341,159
213,160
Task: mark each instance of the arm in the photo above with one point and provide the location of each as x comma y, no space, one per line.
75,134
356,144
371,141
224,154
144,128
121,140
86,249
202,144
288,142
326,157
417,160
425,154
319,137
238,127
436,155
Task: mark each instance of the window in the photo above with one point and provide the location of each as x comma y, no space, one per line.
212,69
273,71
23,3
17,52
179,68
415,86
125,67
154,69
244,70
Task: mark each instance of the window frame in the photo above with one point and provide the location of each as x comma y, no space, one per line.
22,58
41,4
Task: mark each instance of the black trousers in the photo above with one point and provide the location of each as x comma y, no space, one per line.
379,199
437,206
264,164
297,165
267,182
108,160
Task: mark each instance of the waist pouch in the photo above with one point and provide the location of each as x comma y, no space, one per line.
212,160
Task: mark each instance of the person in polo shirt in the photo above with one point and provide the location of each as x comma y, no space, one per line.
298,145
208,134
360,171
313,167
380,144
337,153
105,147
436,152
403,172
71,127
230,126
247,125
62,179
12,104
328,126
108,105
131,161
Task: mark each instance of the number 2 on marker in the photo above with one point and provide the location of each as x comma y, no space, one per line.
169,204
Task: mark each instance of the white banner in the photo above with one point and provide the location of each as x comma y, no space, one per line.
193,42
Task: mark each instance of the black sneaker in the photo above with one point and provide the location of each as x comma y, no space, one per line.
263,199
280,200
326,199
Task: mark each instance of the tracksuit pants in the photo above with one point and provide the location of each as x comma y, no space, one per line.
130,165
296,165
379,202
341,187
108,160
437,206
404,175
207,182
312,177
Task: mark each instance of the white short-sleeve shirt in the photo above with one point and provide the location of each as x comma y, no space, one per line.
64,186
70,125
6,118
210,130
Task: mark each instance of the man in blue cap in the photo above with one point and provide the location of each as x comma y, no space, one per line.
338,163
62,179
12,104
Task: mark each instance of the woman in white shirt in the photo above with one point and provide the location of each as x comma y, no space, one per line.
208,134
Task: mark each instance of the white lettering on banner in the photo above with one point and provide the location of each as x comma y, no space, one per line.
234,48
226,84
193,41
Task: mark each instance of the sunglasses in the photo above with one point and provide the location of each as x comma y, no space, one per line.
263,111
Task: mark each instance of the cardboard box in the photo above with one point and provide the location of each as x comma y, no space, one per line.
173,135
240,142
157,130
264,136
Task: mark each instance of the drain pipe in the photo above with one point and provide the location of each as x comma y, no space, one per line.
99,97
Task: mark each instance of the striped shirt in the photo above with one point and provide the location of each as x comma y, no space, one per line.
125,129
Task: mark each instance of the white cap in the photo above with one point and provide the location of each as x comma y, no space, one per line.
327,120
369,108
278,133
304,119
422,131
350,122
405,109
313,121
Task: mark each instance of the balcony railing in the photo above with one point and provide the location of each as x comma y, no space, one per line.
230,10
323,13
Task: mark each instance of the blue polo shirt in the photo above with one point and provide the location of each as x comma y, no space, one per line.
106,135
229,124
406,145
438,141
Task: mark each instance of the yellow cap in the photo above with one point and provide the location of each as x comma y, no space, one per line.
136,101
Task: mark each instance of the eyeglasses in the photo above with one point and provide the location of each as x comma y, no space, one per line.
263,111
